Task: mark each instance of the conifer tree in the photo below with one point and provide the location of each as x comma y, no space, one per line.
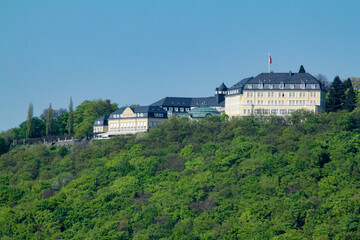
29,120
70,121
350,96
49,121
336,97
302,69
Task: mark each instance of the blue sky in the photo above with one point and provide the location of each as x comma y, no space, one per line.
137,52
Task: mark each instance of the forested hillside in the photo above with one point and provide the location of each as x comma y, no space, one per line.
251,178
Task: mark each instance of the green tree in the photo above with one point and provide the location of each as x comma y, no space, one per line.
29,120
49,121
86,114
302,69
336,96
70,121
350,96
3,145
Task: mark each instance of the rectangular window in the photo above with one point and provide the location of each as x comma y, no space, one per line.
244,111
257,111
291,111
176,109
249,111
274,111
268,94
267,111
283,111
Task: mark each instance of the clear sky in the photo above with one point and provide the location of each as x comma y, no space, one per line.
137,52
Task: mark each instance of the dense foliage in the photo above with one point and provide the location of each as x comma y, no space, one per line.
276,178
60,122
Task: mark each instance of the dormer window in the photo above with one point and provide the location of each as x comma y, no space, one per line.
313,86
271,86
292,86
250,86
302,85
281,85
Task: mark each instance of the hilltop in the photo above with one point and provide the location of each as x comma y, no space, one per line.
275,178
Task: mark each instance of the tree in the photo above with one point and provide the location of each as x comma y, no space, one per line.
336,96
356,82
302,69
3,145
350,96
86,114
70,121
323,79
49,121
29,120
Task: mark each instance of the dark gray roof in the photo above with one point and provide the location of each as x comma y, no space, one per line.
187,102
147,110
277,81
173,101
287,78
222,87
101,121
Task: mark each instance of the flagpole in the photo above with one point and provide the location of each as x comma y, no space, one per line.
268,62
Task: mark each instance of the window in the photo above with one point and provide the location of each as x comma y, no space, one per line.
257,111
176,109
268,94
247,94
250,86
283,111
158,114
302,86
170,108
291,111
300,94
267,111
165,108
268,102
313,86
271,86
274,111
187,109
281,86
272,94
260,86
181,109
258,94
249,111
292,86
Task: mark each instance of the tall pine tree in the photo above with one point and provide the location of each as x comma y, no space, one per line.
336,96
49,121
70,121
29,120
350,96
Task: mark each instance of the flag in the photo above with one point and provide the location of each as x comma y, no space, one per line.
270,60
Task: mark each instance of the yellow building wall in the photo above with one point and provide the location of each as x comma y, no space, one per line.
247,103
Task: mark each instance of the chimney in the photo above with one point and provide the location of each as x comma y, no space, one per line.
290,73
